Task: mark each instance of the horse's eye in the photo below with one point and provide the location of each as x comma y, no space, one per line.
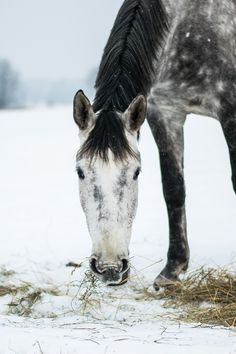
137,172
80,173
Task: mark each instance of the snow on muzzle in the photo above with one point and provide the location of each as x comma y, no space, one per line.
116,273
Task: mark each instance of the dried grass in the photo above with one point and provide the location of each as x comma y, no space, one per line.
6,273
88,295
24,296
205,296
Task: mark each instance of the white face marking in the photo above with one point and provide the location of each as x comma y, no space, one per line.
108,165
109,197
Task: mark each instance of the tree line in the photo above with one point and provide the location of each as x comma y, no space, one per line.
9,84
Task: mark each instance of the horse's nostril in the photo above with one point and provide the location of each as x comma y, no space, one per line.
93,265
125,265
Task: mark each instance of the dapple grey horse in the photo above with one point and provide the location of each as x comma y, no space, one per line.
163,60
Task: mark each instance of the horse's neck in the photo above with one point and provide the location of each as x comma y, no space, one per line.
173,7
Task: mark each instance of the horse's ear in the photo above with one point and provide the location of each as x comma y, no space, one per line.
136,113
82,110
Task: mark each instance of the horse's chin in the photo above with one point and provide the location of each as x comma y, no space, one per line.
124,278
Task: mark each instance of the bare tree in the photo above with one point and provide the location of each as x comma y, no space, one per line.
8,84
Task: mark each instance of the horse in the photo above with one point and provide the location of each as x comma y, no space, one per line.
163,60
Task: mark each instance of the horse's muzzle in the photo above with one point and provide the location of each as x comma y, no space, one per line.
111,274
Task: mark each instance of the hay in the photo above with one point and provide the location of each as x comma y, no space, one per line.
24,296
6,273
88,295
205,296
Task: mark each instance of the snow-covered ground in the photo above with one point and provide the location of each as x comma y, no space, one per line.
42,228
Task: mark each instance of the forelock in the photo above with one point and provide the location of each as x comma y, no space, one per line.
107,135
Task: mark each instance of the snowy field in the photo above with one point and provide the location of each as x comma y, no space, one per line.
42,228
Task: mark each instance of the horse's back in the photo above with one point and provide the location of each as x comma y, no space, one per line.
209,17
199,56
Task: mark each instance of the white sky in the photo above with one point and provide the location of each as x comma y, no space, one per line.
55,39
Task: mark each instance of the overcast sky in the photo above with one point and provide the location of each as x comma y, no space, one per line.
55,39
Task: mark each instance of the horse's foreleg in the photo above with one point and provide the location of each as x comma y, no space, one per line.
229,129
167,129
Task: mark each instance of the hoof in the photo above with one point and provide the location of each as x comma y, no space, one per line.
163,282
169,275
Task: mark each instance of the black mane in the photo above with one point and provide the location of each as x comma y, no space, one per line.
107,134
126,70
128,62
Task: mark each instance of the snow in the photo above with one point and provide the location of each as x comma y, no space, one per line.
42,227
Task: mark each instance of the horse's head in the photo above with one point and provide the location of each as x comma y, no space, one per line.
108,165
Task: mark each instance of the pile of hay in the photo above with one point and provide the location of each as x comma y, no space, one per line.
205,296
